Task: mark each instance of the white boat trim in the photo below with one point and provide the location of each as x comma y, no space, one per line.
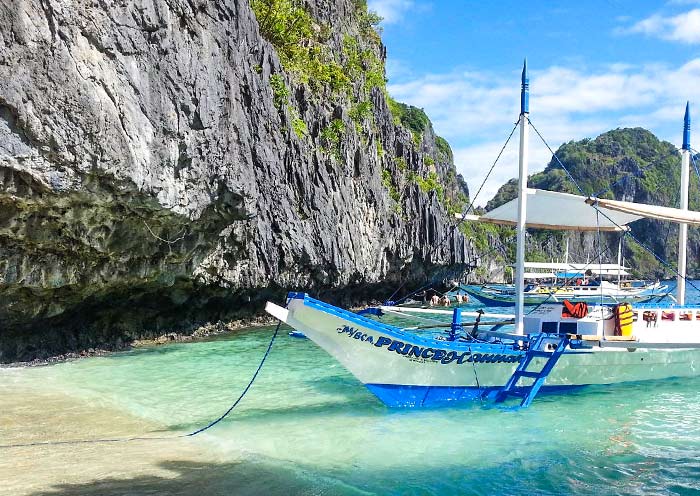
437,311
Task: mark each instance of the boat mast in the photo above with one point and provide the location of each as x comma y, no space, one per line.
522,201
683,228
619,261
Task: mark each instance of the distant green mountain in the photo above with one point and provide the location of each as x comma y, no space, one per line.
624,164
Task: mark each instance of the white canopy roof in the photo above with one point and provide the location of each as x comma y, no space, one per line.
539,275
607,269
648,211
552,210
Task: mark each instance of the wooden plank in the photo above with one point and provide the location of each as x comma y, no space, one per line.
620,338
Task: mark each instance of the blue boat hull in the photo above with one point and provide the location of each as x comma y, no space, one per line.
400,396
490,302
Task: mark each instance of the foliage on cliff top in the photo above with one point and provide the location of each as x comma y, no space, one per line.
417,121
302,44
412,117
285,24
350,64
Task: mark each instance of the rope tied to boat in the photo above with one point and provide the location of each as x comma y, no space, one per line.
476,378
247,388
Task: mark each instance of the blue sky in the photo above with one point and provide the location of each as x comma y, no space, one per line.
594,66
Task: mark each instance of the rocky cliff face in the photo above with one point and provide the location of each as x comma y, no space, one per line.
159,166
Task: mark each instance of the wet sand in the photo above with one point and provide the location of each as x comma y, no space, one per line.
32,416
182,466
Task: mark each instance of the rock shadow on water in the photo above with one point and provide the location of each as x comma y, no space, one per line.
205,479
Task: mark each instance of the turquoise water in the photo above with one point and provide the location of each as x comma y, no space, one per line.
308,427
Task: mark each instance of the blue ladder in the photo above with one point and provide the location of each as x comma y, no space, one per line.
528,393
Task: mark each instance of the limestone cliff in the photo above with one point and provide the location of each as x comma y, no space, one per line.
160,166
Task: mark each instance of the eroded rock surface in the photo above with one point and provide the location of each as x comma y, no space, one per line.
149,182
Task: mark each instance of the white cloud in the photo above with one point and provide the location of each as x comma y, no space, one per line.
684,27
684,2
393,11
475,111
395,69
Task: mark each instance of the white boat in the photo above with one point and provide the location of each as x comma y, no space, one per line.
549,349
404,369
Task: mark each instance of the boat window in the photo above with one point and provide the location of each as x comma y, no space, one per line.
549,327
697,315
568,328
685,316
670,315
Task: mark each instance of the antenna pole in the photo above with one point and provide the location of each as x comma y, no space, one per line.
522,201
683,228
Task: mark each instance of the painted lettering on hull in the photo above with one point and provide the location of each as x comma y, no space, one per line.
419,353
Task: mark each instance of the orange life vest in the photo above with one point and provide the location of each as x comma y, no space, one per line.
574,310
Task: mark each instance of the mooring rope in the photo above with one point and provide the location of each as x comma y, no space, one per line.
245,391
159,438
476,378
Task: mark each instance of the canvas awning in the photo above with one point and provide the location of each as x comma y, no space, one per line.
561,211
648,211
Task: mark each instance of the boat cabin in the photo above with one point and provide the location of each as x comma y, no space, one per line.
650,323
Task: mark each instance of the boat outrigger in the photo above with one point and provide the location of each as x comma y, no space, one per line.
566,345
572,282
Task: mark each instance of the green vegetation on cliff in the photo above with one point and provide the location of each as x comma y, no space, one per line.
343,69
303,45
340,68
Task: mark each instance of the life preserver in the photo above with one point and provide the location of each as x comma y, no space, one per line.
574,310
624,316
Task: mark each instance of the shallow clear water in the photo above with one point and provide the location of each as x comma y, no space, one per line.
308,427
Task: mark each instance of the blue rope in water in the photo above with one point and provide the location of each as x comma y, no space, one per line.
158,438
252,379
